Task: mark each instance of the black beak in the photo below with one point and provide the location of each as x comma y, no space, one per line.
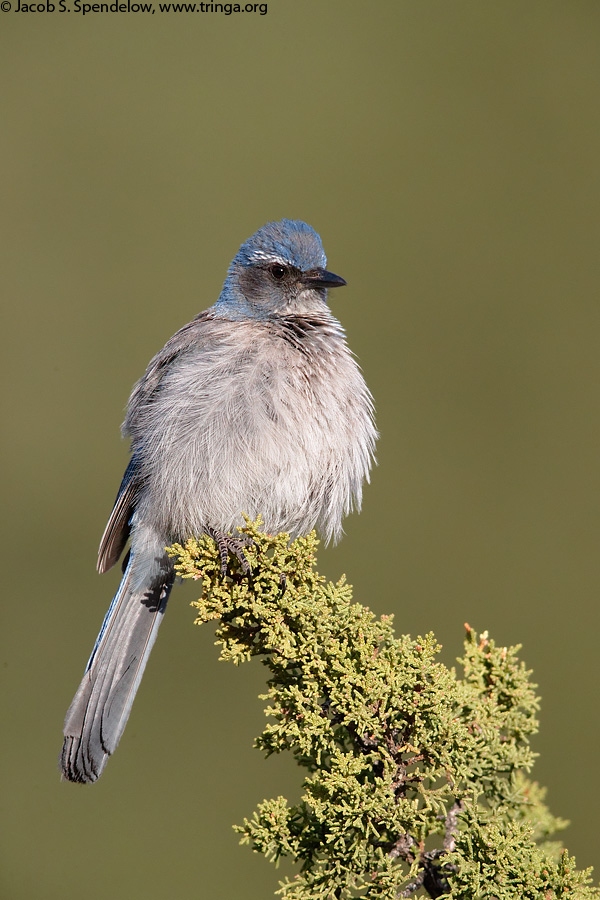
321,278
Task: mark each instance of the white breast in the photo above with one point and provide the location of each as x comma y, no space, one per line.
285,431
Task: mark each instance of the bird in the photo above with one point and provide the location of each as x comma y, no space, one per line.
258,407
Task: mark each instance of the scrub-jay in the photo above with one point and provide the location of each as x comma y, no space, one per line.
256,406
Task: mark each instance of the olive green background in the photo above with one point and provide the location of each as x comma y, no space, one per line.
448,153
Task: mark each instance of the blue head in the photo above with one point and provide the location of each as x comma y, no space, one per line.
280,270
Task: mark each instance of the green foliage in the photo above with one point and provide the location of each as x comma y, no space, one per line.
416,778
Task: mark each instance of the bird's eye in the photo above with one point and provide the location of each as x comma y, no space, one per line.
277,271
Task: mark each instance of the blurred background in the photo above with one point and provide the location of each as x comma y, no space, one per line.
448,155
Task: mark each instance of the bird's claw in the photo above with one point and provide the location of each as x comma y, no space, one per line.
227,544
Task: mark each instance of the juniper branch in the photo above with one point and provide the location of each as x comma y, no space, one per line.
417,778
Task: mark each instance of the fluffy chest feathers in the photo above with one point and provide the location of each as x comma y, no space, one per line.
256,417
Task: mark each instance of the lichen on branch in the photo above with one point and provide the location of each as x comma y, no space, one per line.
416,775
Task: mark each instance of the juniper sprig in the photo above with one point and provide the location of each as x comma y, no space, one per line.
416,776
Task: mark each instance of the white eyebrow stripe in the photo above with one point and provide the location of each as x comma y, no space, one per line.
261,256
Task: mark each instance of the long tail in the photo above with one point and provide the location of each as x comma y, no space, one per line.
98,714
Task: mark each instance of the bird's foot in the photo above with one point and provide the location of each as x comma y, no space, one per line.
227,544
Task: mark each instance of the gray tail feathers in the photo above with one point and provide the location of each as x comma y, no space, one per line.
98,714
